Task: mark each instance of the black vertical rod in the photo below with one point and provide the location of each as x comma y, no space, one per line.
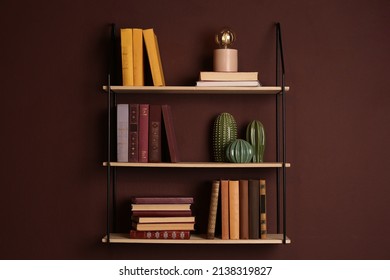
108,158
277,135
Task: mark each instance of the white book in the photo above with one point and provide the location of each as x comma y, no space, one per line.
228,84
122,118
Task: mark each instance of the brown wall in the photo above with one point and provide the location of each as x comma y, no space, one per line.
53,64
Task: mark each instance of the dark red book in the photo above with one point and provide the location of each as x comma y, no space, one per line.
254,208
133,132
155,133
170,133
162,200
167,234
143,145
186,213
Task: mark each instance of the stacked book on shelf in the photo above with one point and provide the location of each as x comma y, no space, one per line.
228,79
132,49
162,218
141,131
242,207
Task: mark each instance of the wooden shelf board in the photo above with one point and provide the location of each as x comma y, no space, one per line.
196,90
195,239
199,164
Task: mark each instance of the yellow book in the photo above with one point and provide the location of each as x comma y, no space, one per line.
154,57
127,56
138,56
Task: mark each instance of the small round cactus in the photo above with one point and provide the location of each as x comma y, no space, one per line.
239,151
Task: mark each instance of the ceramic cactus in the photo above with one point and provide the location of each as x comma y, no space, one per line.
256,136
239,151
224,132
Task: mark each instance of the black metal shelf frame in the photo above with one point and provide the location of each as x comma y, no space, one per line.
281,180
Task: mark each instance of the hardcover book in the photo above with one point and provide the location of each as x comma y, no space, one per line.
225,208
153,52
254,209
122,129
228,83
156,213
138,56
156,220
133,132
127,56
166,234
162,200
228,76
170,133
234,210
164,226
263,211
244,210
143,134
213,210
155,133
160,207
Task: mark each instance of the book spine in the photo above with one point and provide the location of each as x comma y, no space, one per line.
127,56
168,234
155,133
254,209
234,210
213,210
244,210
162,200
170,134
225,208
122,132
143,133
133,132
178,213
263,211
138,57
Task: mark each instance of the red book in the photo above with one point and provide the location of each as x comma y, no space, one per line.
133,132
155,133
167,234
186,213
162,200
143,145
170,134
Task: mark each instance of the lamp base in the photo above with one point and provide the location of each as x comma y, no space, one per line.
225,60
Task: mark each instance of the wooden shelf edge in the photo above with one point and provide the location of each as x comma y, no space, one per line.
197,90
195,239
198,164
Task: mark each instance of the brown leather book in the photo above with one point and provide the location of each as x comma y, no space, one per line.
162,199
148,213
244,210
166,234
234,209
155,133
263,211
254,209
133,132
213,210
225,208
143,144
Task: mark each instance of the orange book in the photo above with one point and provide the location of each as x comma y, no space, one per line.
234,209
225,208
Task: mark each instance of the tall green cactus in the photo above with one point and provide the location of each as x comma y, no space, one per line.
256,136
224,132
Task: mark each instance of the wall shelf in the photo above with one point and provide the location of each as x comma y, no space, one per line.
195,239
199,164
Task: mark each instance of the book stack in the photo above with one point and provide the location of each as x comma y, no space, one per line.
141,129
133,58
228,79
162,218
243,209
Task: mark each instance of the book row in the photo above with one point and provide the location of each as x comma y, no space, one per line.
161,218
141,130
132,54
242,205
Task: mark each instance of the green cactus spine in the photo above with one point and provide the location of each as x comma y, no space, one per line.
239,151
224,132
256,136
